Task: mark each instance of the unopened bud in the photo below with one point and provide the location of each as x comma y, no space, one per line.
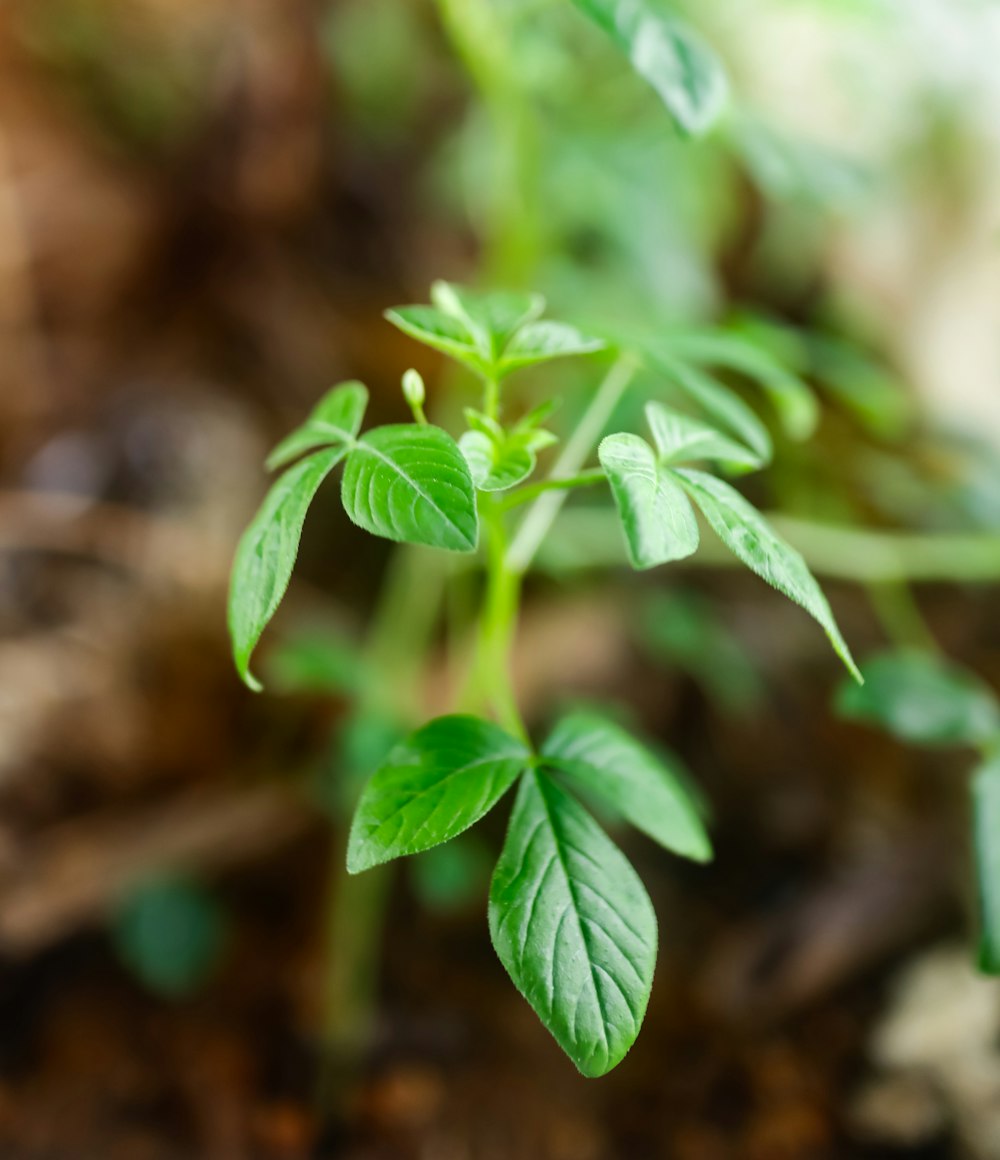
413,388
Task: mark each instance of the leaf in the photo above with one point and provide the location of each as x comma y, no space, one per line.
573,926
434,785
409,482
986,830
655,514
492,317
680,439
266,554
641,787
335,419
719,403
923,700
443,332
540,342
496,466
750,538
679,65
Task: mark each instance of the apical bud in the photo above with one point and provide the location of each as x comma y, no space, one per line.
413,388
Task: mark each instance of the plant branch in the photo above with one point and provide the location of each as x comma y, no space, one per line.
564,483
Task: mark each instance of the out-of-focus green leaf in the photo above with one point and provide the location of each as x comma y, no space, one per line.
492,317
317,661
496,465
450,877
986,830
540,342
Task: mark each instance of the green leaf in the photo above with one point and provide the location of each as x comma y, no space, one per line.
640,786
540,342
751,539
496,465
336,419
655,514
266,554
792,399
573,926
492,317
443,332
679,65
986,830
434,785
409,482
718,402
923,700
680,439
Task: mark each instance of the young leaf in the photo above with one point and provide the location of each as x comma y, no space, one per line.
923,700
655,514
434,785
266,554
492,318
336,419
640,786
679,65
444,332
986,830
540,342
573,926
409,482
750,538
496,466
680,439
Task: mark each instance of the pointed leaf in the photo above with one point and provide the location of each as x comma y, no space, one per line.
540,342
640,786
496,466
749,537
681,439
266,554
336,419
409,482
492,317
679,65
986,830
443,332
573,926
435,784
655,514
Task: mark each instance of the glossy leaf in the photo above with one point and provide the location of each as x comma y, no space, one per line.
335,420
637,784
496,466
409,482
266,554
573,926
986,831
751,539
923,700
491,317
540,342
681,439
444,332
679,65
434,785
655,514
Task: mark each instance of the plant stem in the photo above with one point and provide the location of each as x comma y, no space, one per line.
534,490
540,517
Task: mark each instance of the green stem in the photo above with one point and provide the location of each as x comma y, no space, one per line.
537,522
534,490
491,399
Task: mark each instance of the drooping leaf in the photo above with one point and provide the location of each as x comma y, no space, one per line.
667,53
434,785
491,317
637,784
681,439
444,332
540,342
496,466
409,482
655,514
266,554
573,926
986,830
751,539
923,700
335,420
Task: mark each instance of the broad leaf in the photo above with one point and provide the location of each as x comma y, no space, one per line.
434,785
443,332
266,554
491,317
640,786
336,419
749,537
409,482
986,829
679,65
540,342
655,514
573,926
923,700
681,439
496,466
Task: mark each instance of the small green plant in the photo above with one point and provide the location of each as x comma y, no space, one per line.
569,918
